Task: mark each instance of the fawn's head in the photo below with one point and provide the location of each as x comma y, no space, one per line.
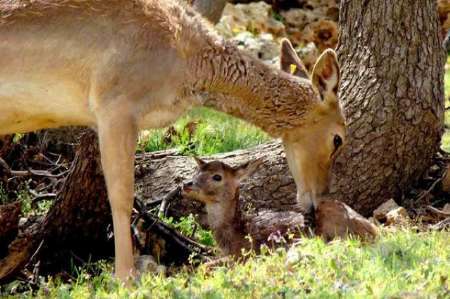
217,182
311,148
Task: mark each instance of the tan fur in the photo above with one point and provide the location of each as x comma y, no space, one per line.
122,65
221,199
231,228
335,219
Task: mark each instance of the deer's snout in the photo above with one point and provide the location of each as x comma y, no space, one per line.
187,186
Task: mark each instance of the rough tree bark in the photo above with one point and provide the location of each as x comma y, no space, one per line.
76,223
392,90
79,217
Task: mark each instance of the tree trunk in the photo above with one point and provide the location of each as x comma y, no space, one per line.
76,225
78,220
392,92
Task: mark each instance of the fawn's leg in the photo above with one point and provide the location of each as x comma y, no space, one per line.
117,132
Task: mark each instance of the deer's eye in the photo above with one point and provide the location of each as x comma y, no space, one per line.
337,141
217,178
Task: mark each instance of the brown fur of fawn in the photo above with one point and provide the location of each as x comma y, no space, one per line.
335,219
123,65
216,184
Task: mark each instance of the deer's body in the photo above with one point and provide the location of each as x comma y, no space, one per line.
228,227
122,65
60,64
231,228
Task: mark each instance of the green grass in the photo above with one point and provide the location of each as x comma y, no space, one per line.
399,264
216,132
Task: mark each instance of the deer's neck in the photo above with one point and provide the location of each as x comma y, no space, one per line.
231,81
224,218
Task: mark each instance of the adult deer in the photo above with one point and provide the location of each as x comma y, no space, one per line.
123,65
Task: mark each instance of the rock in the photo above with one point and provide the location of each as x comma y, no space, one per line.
146,263
296,21
446,208
292,257
381,212
262,46
22,221
253,17
317,24
309,55
295,256
323,33
397,216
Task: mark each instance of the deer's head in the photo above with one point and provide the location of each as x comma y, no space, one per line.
311,148
216,182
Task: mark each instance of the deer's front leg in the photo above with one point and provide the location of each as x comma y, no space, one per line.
117,132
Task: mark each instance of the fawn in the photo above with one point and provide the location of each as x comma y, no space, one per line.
335,219
216,184
123,65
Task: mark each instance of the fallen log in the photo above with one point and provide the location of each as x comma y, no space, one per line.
76,225
271,187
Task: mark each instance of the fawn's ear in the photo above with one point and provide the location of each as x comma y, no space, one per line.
246,170
199,162
290,62
325,75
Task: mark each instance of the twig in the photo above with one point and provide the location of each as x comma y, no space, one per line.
166,200
177,237
36,252
438,212
47,174
442,225
43,173
426,192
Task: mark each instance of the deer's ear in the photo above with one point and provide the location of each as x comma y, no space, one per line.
290,62
199,162
325,75
246,170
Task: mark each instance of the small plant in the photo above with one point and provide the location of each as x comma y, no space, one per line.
189,227
28,205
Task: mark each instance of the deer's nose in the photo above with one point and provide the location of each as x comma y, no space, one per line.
187,186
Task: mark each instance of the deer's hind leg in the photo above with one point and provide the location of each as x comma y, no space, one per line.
117,132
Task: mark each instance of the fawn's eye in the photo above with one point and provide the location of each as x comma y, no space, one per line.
337,141
217,178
